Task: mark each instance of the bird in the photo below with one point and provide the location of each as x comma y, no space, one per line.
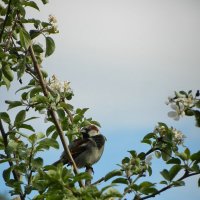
87,150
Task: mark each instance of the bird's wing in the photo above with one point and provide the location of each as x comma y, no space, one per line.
100,140
80,145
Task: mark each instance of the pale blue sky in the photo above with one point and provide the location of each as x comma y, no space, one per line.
123,59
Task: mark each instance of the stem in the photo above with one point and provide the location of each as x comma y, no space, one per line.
14,172
186,175
29,169
52,112
5,21
99,181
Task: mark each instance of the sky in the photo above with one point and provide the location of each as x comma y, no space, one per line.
123,59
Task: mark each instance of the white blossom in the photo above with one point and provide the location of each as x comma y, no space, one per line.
53,22
178,136
59,86
181,103
52,19
148,159
178,110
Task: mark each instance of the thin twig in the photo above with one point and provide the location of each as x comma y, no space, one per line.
186,175
9,37
5,21
29,169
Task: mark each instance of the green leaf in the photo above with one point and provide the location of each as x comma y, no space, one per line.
50,130
112,174
6,82
13,104
174,161
7,72
44,73
24,88
178,183
174,171
61,113
165,174
147,141
146,184
40,135
195,167
49,142
197,117
148,190
163,182
149,170
31,4
21,69
25,38
163,124
133,153
77,118
125,160
32,138
107,187
121,181
182,156
149,136
30,118
6,174
37,48
37,162
195,156
5,117
35,91
20,117
141,156
34,34
50,46
27,126
40,99
166,154
189,112
197,104
187,152
12,146
81,176
0,72
45,1
66,106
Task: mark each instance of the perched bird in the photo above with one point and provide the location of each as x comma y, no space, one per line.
87,150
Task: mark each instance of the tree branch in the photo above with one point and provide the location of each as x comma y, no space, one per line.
14,172
52,112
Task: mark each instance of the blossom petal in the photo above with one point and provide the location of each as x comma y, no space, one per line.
172,114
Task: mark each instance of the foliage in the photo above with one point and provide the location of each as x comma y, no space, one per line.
20,144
